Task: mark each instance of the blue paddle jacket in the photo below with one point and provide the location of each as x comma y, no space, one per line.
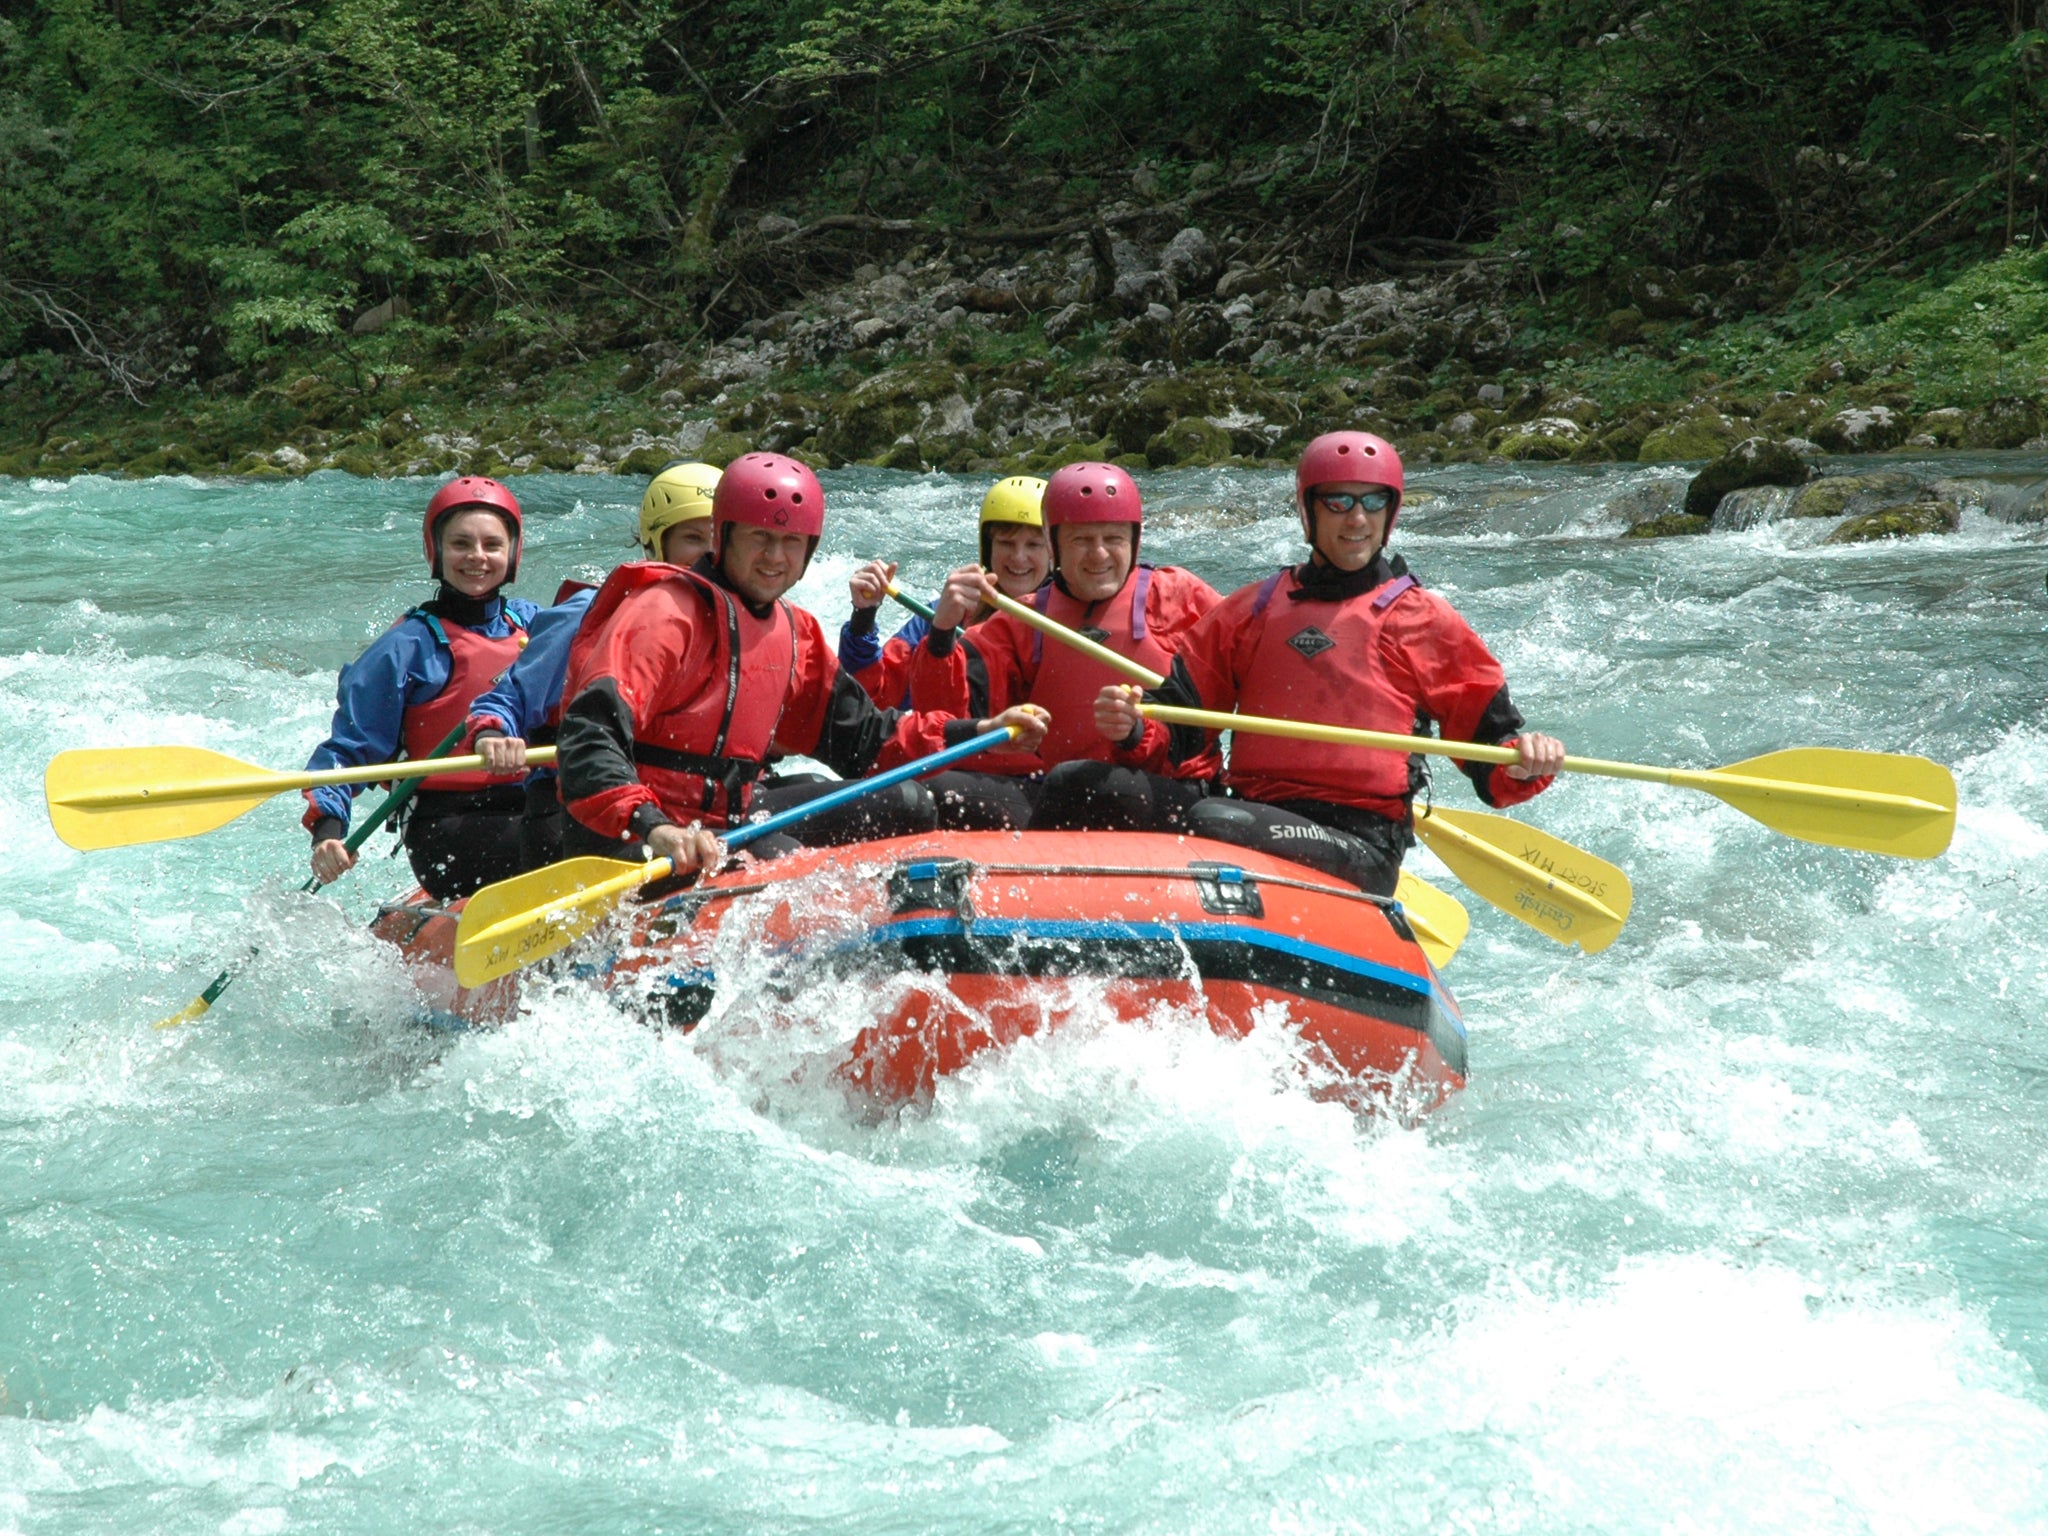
527,701
405,666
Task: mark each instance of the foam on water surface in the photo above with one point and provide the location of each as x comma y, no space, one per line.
1736,1228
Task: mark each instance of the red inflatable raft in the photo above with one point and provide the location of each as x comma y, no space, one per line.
982,922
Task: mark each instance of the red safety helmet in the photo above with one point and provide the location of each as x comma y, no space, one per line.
770,490
463,494
1092,493
1363,458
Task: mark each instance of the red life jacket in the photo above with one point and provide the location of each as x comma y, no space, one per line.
702,758
1321,661
1066,682
475,661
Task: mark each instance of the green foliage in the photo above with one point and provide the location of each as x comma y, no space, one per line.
221,181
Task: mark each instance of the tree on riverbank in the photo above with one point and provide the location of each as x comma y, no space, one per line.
220,192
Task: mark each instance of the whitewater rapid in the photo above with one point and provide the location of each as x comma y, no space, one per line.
1738,1226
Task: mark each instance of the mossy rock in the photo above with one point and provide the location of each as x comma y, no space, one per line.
1753,461
1204,392
1792,415
1840,495
1946,426
870,417
1190,440
1063,454
1622,444
1689,439
1907,521
901,454
1547,438
641,461
171,459
18,466
253,466
1671,526
560,458
2001,424
721,448
1862,429
356,462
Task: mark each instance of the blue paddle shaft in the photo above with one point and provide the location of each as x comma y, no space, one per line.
754,831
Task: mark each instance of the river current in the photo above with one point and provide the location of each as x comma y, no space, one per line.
1739,1225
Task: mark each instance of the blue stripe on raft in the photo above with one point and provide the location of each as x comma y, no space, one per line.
1208,933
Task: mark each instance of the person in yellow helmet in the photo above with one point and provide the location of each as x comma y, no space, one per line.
1014,552
525,705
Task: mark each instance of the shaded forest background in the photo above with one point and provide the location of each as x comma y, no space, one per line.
204,195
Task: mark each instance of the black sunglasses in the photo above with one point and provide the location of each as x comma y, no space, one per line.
1342,502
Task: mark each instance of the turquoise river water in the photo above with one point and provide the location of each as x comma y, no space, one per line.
1739,1226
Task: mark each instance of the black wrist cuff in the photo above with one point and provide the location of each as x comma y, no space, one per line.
645,818
940,641
329,829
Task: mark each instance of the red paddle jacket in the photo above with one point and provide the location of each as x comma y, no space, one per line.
678,689
1004,661
1370,650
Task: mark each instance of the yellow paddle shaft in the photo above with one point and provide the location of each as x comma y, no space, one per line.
1123,666
257,784
1712,781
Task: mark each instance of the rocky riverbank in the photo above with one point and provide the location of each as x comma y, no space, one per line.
1153,353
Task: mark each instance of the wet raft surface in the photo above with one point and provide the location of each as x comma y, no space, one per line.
1737,1226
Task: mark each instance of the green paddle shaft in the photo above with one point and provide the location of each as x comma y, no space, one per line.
922,610
392,804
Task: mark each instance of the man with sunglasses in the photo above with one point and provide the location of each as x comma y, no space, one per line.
1346,638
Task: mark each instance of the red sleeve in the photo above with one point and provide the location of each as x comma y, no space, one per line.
1437,657
940,682
1213,648
644,661
889,677
829,717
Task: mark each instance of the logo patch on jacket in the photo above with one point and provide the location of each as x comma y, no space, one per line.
1097,635
1311,642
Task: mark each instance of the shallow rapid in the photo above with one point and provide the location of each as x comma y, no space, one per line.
1738,1226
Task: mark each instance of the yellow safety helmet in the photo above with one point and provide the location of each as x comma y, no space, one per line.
1015,500
681,493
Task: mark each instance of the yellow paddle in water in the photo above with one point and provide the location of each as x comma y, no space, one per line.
1561,891
1880,802
110,797
1439,919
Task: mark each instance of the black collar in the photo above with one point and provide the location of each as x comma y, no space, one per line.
1317,581
453,607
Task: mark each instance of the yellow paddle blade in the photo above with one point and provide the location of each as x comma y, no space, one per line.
515,923
1880,802
197,1008
1439,919
109,797
1561,891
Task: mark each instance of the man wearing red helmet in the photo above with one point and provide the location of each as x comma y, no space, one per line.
413,686
1094,516
1346,638
681,684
